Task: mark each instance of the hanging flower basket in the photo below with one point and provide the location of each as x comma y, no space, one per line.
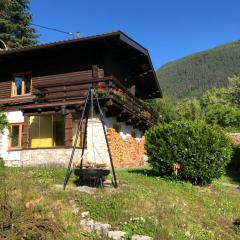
101,91
120,94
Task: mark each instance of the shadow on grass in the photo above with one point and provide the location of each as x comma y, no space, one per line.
79,182
236,225
233,168
145,172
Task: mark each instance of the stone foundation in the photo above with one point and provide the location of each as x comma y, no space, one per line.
126,152
12,163
48,157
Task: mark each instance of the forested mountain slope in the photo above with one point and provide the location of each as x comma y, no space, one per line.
192,75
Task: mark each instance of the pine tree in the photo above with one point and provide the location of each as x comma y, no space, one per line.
15,19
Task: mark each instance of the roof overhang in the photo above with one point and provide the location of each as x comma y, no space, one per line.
118,36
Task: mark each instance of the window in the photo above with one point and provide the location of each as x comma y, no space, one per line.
15,136
46,131
21,84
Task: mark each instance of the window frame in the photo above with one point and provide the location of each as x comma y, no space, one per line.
20,134
23,75
52,131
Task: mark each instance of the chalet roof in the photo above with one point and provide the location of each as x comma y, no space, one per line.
115,36
122,36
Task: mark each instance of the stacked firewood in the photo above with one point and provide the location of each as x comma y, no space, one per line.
126,152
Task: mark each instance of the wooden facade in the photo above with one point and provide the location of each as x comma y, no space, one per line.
61,73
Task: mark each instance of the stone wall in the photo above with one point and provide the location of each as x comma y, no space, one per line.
48,157
126,152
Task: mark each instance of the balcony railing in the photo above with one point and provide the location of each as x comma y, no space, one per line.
108,88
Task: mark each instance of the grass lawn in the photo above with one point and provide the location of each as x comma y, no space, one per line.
34,206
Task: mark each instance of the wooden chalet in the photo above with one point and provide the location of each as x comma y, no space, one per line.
43,89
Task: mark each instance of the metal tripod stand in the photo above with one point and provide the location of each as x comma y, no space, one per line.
88,105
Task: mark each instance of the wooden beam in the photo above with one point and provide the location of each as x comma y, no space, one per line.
25,132
51,105
68,130
95,71
132,121
145,73
123,116
122,119
70,82
112,112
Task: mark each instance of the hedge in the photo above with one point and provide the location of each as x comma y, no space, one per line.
188,150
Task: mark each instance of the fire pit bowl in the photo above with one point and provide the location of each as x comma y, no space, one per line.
93,177
91,172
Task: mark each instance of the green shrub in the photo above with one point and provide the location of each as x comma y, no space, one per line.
223,115
188,150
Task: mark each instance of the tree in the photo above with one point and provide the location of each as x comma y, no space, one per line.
234,90
216,96
221,105
165,108
190,109
194,74
169,110
15,19
227,116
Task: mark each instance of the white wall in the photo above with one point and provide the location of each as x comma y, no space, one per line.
10,157
125,130
96,145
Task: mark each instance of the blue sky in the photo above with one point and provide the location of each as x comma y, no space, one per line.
169,29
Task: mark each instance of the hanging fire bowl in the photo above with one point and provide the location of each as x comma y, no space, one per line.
91,172
92,177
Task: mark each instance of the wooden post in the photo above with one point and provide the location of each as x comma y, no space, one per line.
25,132
68,130
94,71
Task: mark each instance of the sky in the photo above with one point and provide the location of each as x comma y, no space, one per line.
169,29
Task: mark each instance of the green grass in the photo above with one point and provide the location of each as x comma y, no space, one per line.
169,209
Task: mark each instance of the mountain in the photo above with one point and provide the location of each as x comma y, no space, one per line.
192,75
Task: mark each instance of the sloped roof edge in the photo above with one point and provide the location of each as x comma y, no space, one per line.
122,36
119,34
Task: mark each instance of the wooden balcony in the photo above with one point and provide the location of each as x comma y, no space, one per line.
114,97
